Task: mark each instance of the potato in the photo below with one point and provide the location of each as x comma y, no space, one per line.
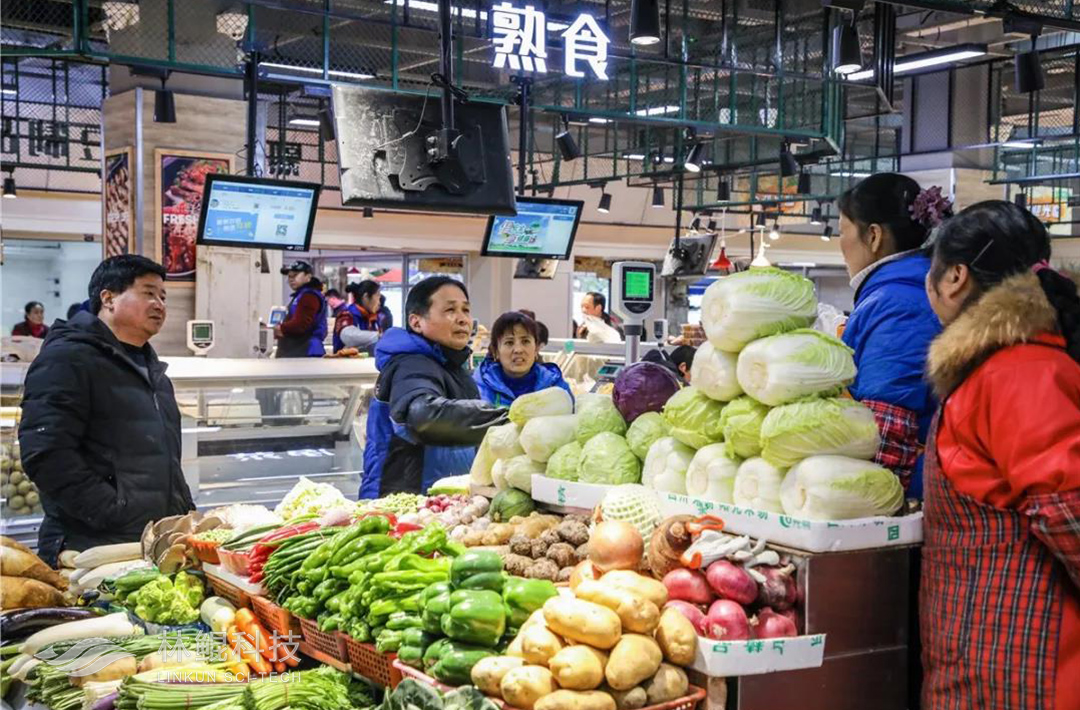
638,615
539,644
634,659
573,700
583,621
578,667
677,637
632,699
669,683
522,687
488,672
514,647
650,589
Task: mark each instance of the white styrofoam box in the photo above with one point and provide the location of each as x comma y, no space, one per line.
809,535
722,659
568,494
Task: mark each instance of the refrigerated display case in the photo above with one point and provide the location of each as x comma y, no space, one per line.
586,364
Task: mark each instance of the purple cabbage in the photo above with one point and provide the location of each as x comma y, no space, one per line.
643,387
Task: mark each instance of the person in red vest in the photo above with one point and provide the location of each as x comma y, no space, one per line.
1000,597
34,324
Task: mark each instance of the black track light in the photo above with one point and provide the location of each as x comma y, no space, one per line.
326,124
826,234
846,48
815,216
9,187
696,224
1020,200
1029,72
605,203
761,219
369,213
164,105
788,165
644,22
657,197
723,191
693,158
804,183
567,145
712,225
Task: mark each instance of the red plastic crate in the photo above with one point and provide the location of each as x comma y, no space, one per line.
274,617
375,666
235,595
331,644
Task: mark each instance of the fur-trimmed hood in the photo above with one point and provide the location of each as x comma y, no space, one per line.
1015,311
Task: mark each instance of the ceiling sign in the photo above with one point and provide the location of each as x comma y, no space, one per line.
520,39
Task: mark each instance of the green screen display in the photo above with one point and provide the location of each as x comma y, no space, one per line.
201,331
637,284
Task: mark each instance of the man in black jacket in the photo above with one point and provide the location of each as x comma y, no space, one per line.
100,431
427,416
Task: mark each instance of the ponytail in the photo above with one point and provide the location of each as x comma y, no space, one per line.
1061,291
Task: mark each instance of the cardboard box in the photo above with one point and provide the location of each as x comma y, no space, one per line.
568,494
723,659
809,535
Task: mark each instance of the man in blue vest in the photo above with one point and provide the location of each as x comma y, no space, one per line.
302,332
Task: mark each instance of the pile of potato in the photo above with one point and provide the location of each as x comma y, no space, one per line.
610,645
20,495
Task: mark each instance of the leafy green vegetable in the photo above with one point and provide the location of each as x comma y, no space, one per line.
644,432
713,372
741,421
784,368
546,402
743,307
694,418
665,466
793,432
564,463
607,458
541,437
165,601
757,485
712,474
503,442
519,472
840,488
597,413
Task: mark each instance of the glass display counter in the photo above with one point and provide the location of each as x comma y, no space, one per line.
584,364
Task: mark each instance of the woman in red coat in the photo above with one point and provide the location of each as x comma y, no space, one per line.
1000,597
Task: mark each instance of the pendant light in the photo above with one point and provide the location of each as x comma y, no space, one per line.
846,48
605,203
693,158
9,185
164,105
723,191
723,263
657,197
788,165
567,145
644,22
1029,72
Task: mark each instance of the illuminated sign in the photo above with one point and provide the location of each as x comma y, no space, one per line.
520,39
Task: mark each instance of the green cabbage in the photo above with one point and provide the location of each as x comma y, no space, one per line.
564,463
519,471
607,458
840,488
784,368
645,430
757,485
503,441
694,418
741,421
713,372
743,307
712,474
597,413
665,466
545,403
541,437
811,427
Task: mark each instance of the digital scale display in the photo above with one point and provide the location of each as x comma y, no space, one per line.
201,332
637,284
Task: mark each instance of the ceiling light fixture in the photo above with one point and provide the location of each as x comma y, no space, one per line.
644,22
723,191
851,174
633,156
696,224
657,197
774,233
605,203
925,60
9,186
657,110
369,213
1029,74
760,219
164,105
788,165
826,234
693,161
1020,200
10,92
314,70
233,25
712,225
567,145
846,48
598,119
305,120
804,183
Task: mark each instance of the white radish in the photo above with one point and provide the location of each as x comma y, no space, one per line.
105,626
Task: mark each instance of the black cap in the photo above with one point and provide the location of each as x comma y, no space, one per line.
297,265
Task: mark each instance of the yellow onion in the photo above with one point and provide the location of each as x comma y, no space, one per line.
615,544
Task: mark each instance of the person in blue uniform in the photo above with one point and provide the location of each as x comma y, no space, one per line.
356,324
302,332
513,366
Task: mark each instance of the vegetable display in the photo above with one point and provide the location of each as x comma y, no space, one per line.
607,458
666,465
796,431
694,418
713,372
552,401
26,581
839,488
784,368
748,305
597,414
642,388
645,431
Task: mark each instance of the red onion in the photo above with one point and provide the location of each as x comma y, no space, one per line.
727,621
693,614
774,626
686,585
732,582
778,590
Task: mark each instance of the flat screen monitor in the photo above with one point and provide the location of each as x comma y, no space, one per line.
257,212
542,229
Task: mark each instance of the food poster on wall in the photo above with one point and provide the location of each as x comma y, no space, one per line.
118,214
181,177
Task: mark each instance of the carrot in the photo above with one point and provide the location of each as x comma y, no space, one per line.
248,652
292,660
279,667
256,633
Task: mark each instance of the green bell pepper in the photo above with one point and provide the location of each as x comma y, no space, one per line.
477,617
388,641
524,596
411,656
435,651
474,562
492,581
355,556
431,622
401,620
456,663
417,637
433,590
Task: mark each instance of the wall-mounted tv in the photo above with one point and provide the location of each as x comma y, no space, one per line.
542,229
258,213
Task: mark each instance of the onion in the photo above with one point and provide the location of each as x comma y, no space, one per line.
582,571
727,621
692,613
668,542
688,586
771,625
732,582
779,590
615,544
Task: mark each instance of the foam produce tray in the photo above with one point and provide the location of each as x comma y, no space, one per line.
568,494
722,659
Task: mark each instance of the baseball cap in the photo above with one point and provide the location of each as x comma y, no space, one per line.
297,265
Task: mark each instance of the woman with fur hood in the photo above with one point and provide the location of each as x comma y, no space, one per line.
1000,596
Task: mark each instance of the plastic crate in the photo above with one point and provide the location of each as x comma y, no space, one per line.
274,617
375,666
234,594
688,702
207,551
236,562
330,644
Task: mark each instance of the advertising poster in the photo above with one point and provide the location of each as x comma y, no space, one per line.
118,206
181,177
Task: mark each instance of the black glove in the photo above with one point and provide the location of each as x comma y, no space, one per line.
440,421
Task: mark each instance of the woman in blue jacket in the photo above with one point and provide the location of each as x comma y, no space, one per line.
884,221
513,366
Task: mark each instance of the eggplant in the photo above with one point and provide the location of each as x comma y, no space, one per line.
20,623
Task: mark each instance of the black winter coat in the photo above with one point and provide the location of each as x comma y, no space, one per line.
100,438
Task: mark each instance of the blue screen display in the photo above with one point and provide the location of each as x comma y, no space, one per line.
246,213
540,229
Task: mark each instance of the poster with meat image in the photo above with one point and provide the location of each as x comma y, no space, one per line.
118,205
181,177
